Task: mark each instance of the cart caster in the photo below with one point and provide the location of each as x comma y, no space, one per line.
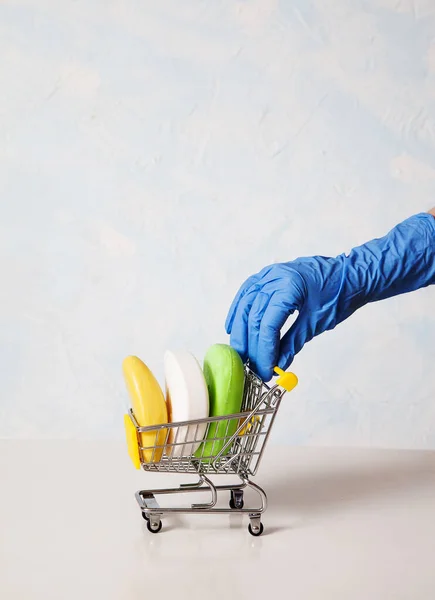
256,529
154,525
236,500
145,516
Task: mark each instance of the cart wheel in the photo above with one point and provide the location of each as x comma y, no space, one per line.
145,516
236,500
154,526
256,531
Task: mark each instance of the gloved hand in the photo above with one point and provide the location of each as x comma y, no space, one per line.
326,291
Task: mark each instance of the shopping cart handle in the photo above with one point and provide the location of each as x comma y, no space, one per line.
286,380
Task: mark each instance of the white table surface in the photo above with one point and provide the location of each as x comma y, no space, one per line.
341,524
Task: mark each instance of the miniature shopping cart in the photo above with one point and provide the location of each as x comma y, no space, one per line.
235,446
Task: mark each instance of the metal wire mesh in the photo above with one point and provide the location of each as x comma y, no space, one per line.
227,444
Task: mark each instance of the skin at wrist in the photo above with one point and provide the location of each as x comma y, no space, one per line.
432,212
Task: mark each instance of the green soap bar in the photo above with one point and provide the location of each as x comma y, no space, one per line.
225,376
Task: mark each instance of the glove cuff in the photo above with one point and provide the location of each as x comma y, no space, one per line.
400,262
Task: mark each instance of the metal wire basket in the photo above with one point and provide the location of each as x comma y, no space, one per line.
231,445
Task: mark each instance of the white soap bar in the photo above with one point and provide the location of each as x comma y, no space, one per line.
187,399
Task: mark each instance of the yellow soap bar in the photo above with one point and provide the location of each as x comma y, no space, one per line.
149,406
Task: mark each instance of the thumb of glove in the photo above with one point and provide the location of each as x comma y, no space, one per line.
294,340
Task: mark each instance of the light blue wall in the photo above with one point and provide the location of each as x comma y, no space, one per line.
154,154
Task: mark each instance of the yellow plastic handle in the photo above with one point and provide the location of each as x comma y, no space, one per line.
286,380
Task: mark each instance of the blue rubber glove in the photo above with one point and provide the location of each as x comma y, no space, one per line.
326,291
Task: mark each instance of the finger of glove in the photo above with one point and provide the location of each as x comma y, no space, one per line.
280,307
255,280
258,308
239,329
244,288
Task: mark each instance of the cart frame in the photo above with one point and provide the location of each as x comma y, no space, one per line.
237,444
